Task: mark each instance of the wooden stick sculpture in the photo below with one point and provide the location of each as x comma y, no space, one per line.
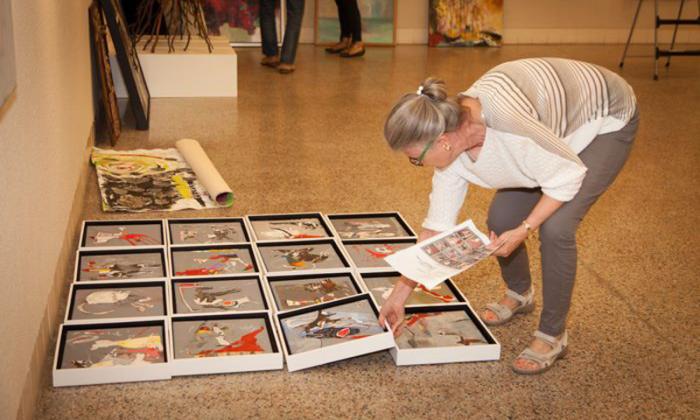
182,17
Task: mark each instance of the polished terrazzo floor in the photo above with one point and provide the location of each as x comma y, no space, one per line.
312,141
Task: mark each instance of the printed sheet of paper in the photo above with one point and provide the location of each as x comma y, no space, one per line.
432,261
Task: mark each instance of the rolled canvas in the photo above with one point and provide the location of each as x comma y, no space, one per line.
205,170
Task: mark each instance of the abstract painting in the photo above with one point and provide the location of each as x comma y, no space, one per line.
327,327
225,295
220,337
288,228
117,302
439,329
465,23
212,262
239,20
369,227
378,21
297,293
120,266
372,254
148,180
193,232
310,256
8,72
99,235
112,346
382,286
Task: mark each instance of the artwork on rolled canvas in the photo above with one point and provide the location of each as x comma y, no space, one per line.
212,262
297,293
371,255
288,228
378,21
239,20
222,295
382,286
369,227
112,346
465,23
120,266
100,234
330,326
220,337
310,256
122,301
194,232
439,329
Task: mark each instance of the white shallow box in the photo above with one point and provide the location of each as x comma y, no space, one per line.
378,268
336,352
191,73
112,374
452,354
89,223
228,364
163,260
372,215
204,221
323,224
337,249
245,246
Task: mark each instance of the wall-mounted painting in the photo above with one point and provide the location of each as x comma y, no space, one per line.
8,75
239,20
378,22
465,23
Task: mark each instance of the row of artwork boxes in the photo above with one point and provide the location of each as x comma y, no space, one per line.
161,347
120,234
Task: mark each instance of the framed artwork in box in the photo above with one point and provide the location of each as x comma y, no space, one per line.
363,226
302,257
189,232
294,292
102,301
134,79
89,354
239,20
219,260
369,255
218,295
122,234
224,343
333,331
444,334
120,265
378,22
380,285
286,227
465,23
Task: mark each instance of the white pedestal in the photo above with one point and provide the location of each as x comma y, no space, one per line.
192,73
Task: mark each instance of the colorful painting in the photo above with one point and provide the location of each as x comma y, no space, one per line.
465,23
378,21
212,262
382,286
301,292
117,302
239,20
439,329
120,266
194,232
364,227
99,235
220,337
300,257
204,296
112,346
288,228
331,326
8,72
371,255
148,180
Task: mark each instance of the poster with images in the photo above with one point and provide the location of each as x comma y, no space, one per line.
465,23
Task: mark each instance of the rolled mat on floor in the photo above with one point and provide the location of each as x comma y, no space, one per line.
205,170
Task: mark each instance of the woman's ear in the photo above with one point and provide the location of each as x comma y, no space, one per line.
445,142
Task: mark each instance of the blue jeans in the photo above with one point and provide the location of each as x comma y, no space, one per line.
292,30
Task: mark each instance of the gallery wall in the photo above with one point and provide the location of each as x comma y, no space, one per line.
550,21
43,136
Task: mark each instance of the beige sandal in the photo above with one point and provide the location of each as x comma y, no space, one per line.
504,314
544,360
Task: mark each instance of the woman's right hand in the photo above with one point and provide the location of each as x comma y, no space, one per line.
393,309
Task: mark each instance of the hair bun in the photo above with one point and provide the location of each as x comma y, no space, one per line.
434,89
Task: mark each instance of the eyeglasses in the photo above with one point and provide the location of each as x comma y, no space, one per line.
419,160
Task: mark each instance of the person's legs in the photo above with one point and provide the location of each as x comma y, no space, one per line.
268,29
354,20
343,20
295,14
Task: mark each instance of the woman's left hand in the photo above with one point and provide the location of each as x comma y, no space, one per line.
508,241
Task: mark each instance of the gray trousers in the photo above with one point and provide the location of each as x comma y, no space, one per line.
604,158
